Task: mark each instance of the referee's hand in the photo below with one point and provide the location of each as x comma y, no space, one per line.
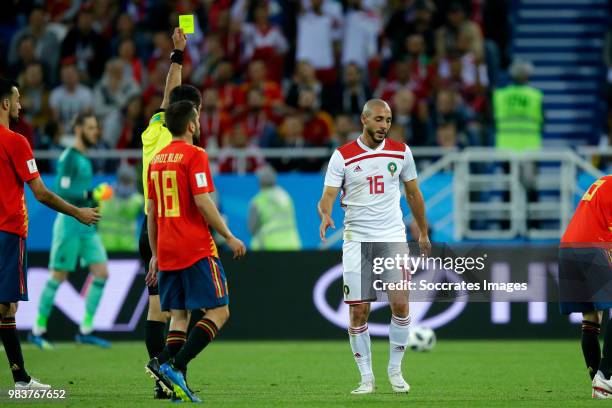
179,39
88,216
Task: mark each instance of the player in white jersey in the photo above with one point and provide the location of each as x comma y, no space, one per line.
370,172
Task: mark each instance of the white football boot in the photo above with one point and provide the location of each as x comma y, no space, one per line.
602,388
365,387
397,382
34,384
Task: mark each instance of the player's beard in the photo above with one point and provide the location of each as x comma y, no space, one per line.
375,136
87,141
196,137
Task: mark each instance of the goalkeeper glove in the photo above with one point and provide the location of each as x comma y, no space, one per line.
102,192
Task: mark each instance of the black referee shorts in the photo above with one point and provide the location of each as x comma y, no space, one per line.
145,253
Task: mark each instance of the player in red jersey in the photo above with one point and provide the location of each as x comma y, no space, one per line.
17,166
190,276
585,270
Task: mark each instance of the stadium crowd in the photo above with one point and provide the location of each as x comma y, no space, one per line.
273,73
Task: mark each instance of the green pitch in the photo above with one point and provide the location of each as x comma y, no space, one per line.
321,374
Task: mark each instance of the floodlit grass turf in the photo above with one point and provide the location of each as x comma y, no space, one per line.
321,374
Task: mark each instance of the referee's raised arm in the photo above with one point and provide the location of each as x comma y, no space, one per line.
173,79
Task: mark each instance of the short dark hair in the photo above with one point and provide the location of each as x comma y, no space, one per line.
80,118
6,87
178,116
186,93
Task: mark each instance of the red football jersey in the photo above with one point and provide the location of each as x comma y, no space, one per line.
592,221
176,174
17,166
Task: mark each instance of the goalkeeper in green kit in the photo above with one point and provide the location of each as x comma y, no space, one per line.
72,241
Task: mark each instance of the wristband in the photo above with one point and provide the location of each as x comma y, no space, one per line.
177,56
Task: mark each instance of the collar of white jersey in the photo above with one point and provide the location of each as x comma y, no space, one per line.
367,149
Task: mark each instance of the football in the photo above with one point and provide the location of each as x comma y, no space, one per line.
421,339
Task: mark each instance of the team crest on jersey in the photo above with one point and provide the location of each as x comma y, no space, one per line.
392,167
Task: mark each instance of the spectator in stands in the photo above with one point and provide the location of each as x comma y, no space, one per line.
34,97
411,125
213,56
446,135
113,90
273,102
422,71
265,41
105,14
254,118
63,11
230,34
271,220
448,110
132,64
447,36
290,134
305,78
223,82
124,125
398,78
398,27
71,97
412,17
214,122
345,128
465,72
361,30
88,49
318,125
422,25
317,39
239,139
354,92
157,79
25,55
126,30
47,46
518,111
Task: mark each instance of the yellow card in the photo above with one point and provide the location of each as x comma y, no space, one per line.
186,23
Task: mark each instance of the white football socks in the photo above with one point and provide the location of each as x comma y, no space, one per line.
361,347
398,340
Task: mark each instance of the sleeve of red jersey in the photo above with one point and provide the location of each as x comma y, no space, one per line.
409,168
23,160
200,179
335,170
